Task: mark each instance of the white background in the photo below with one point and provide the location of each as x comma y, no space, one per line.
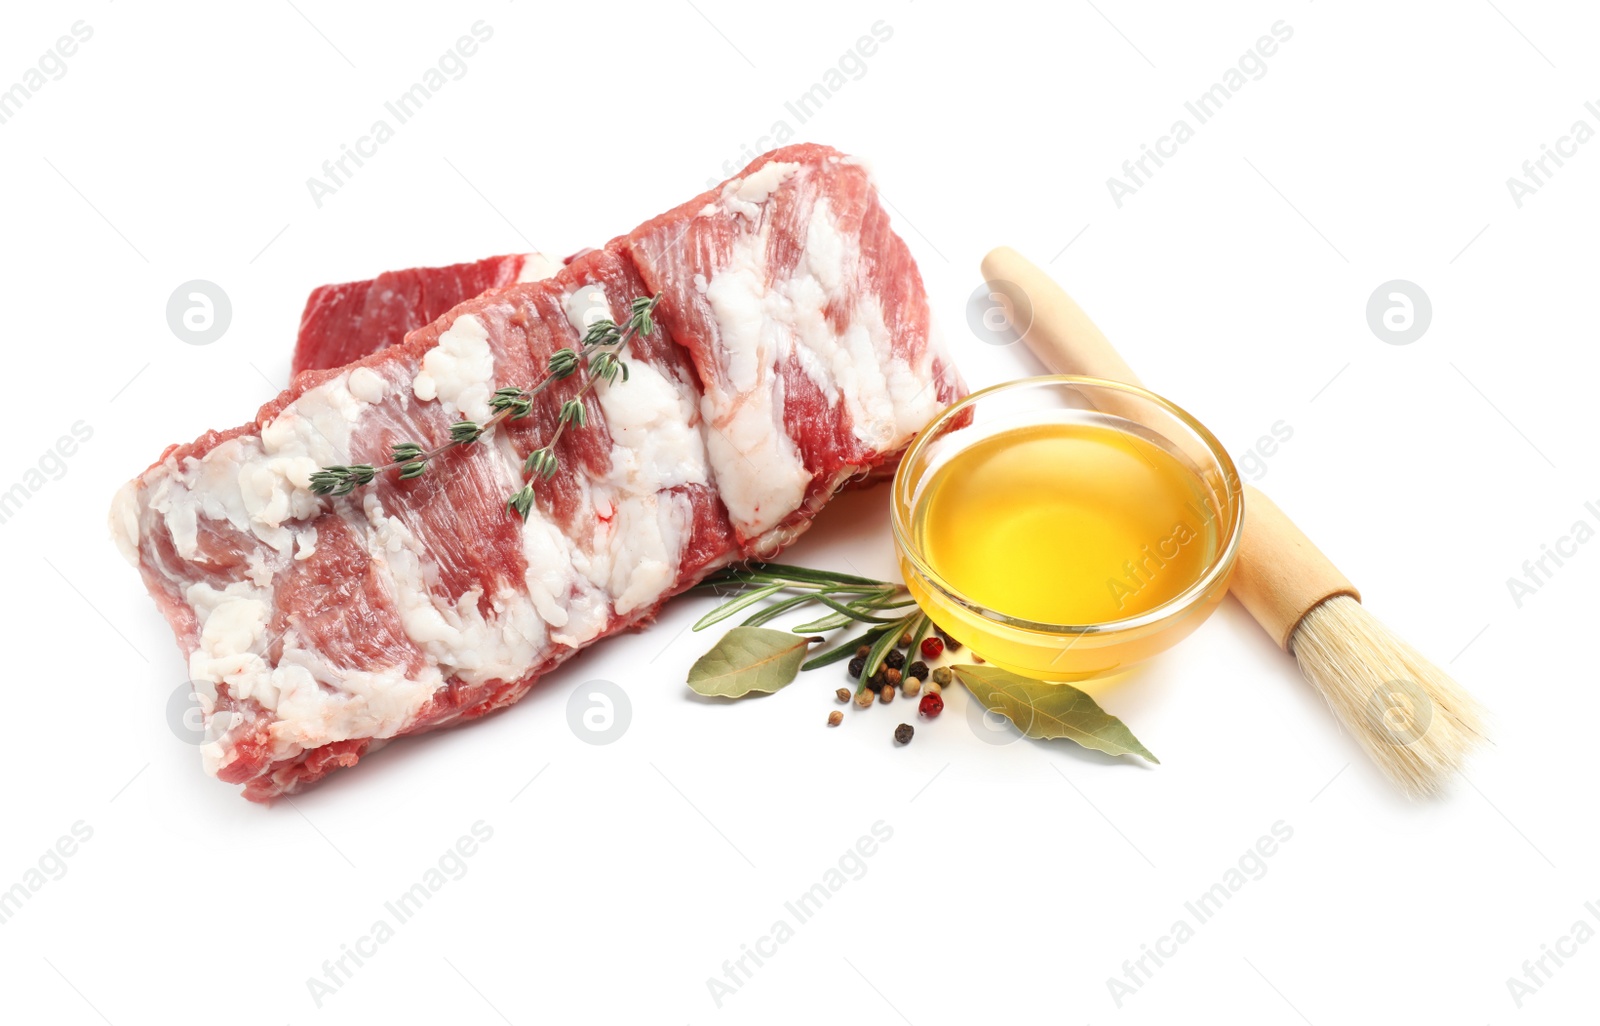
1019,877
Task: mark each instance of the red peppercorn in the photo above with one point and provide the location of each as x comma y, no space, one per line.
932,648
932,704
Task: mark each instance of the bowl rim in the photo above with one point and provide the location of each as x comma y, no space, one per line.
1220,565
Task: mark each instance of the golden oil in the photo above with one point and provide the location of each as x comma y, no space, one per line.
1067,528
1082,521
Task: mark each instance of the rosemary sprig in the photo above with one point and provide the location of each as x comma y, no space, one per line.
601,350
849,599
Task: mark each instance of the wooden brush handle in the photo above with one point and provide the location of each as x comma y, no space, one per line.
1060,334
1280,575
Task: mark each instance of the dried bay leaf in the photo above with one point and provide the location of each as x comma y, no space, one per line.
1046,711
749,659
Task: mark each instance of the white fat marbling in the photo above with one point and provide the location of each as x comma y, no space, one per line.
457,637
758,468
642,526
585,306
761,326
745,196
537,267
312,702
368,385
238,483
657,447
459,370
260,485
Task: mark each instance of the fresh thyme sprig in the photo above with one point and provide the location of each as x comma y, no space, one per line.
848,599
601,349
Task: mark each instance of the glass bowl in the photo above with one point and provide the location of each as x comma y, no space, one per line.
1069,651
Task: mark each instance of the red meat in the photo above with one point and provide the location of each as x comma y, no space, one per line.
793,353
345,322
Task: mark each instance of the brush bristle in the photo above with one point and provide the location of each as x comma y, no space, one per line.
1411,717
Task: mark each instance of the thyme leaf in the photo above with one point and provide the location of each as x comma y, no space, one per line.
601,359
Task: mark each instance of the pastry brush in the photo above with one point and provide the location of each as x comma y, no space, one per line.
1415,722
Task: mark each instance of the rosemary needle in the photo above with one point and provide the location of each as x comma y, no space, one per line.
849,599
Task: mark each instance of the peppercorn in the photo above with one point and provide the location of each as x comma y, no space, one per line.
892,675
887,694
858,664
864,698
918,669
911,687
905,639
877,680
903,733
933,687
931,705
942,675
895,659
843,694
932,648
863,650
835,718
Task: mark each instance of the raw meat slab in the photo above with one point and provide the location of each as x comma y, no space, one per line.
794,352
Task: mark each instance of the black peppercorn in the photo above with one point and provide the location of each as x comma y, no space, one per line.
902,734
857,664
895,659
918,669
